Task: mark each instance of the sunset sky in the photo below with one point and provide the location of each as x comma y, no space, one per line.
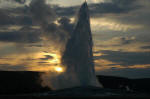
120,30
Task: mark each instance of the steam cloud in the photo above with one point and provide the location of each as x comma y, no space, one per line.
43,15
55,32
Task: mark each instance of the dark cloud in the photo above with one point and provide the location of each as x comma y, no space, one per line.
123,3
28,59
5,19
47,57
16,1
9,67
15,16
126,40
23,36
116,6
125,58
35,45
119,41
66,11
20,1
41,12
44,63
145,47
23,20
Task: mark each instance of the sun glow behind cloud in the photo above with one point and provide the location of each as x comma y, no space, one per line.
55,64
31,61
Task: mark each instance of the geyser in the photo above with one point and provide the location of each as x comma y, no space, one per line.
78,54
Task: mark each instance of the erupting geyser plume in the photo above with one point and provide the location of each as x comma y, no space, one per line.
76,67
78,55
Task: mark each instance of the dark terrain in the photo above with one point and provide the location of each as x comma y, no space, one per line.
24,83
12,82
136,85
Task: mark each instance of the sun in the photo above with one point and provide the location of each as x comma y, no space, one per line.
59,69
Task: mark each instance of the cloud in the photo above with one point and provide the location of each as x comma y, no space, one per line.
125,58
5,19
9,67
19,50
25,35
145,47
47,57
111,23
43,62
15,16
35,45
41,12
11,3
37,25
38,13
16,1
20,1
115,6
118,41
23,20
